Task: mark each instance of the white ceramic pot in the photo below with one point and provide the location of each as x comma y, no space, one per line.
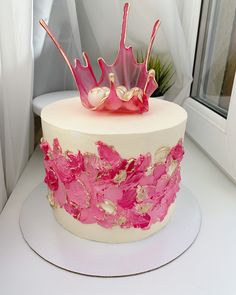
160,97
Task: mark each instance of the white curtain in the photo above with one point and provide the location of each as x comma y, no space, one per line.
16,69
50,71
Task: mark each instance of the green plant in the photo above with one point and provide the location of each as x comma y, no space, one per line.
164,72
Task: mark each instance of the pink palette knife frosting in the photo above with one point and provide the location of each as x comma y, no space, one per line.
123,86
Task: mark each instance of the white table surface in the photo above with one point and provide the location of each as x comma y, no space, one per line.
208,267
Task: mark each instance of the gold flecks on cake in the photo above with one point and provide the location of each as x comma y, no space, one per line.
65,153
143,208
108,206
107,166
149,171
51,199
88,154
87,194
129,161
172,167
121,176
121,220
141,193
161,154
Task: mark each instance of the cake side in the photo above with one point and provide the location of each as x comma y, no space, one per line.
113,181
77,128
116,234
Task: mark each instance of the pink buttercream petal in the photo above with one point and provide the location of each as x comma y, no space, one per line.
177,152
162,183
72,210
140,192
76,194
92,165
64,172
107,153
91,215
159,213
139,168
128,199
113,193
51,179
141,221
159,170
45,147
60,195
107,221
56,147
146,180
75,162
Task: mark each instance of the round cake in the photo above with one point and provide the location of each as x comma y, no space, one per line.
112,177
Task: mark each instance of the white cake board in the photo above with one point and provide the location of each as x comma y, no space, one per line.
61,248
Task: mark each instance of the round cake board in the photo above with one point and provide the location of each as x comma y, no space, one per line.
61,248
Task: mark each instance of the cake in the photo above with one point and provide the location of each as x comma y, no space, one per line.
112,177
113,162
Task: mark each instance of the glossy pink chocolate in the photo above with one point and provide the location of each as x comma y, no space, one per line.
109,190
124,71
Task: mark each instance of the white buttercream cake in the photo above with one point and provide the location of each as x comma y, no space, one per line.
129,193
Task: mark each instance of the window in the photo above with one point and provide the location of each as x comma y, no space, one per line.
216,55
211,106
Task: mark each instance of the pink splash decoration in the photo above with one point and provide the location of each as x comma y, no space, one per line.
109,190
124,72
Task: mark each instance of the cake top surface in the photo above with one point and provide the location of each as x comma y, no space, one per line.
69,114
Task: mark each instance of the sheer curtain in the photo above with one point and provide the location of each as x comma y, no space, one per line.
29,66
16,68
50,71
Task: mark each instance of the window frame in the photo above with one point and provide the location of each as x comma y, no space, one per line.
215,134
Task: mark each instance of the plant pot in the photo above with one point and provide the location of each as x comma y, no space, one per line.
157,94
159,97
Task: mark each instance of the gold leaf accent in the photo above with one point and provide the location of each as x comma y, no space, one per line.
108,206
112,77
107,166
121,220
149,170
141,193
143,208
173,166
161,154
87,194
51,199
135,91
66,152
121,176
88,154
120,91
128,163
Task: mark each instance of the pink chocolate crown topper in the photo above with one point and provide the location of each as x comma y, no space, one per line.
124,86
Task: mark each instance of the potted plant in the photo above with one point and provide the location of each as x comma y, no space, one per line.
164,72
